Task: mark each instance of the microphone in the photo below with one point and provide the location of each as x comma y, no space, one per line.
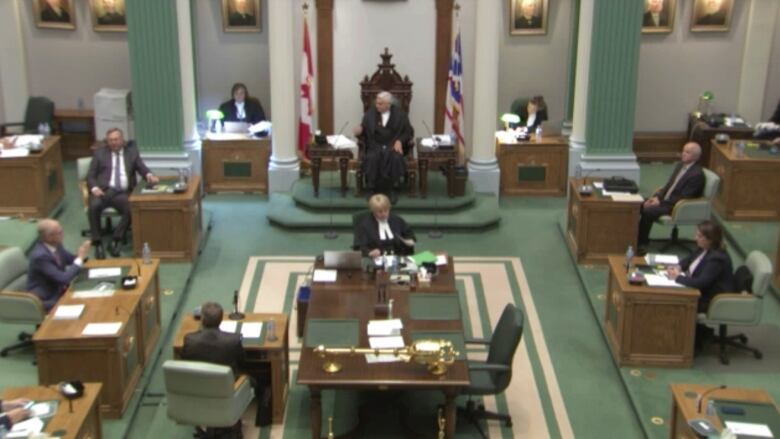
338,135
700,398
585,188
430,133
236,315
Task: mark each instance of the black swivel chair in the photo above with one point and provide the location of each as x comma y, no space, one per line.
39,110
493,376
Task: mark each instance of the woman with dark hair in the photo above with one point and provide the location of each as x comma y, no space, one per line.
242,108
709,268
534,113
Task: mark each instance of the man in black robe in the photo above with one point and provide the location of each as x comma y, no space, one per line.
386,133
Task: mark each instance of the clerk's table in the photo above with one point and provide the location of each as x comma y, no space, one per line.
532,167
235,162
32,186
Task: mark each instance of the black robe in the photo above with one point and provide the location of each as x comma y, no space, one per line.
381,164
366,235
252,110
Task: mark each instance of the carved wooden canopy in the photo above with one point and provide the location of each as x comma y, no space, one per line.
388,79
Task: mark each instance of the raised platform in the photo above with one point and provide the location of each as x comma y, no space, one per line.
301,209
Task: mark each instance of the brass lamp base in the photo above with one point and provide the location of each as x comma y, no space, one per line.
332,366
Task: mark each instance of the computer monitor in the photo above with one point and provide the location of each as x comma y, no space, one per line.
347,260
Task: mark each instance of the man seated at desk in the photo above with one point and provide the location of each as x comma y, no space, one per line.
12,412
687,181
386,133
381,232
242,108
110,180
52,268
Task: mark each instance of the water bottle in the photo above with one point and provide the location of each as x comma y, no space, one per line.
218,127
710,407
629,257
146,254
41,128
46,128
538,133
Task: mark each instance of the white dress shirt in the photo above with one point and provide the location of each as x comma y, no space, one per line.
385,118
384,231
695,263
531,119
122,171
240,110
656,18
676,180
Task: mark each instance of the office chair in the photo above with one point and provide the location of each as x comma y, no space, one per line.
82,168
493,376
690,212
206,395
743,308
17,306
39,110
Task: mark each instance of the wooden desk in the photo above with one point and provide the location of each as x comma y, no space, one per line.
272,353
75,144
597,226
357,302
648,326
81,423
64,354
749,186
318,153
684,398
236,165
534,168
427,157
170,223
703,134
32,186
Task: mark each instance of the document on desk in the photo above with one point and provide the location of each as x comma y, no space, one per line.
659,280
102,328
749,429
14,153
251,329
625,197
383,328
26,428
392,342
325,275
69,312
661,259
228,326
104,272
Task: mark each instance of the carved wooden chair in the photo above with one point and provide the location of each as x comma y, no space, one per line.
386,78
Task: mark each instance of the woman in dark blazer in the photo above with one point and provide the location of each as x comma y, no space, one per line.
534,113
709,268
242,108
381,232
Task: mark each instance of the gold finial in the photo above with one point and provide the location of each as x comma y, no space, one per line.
442,423
456,8
305,7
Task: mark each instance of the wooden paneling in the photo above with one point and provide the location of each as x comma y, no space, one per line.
78,419
170,223
597,226
551,155
658,147
218,153
648,326
75,144
32,186
325,65
749,187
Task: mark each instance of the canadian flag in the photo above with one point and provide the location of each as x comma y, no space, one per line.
307,79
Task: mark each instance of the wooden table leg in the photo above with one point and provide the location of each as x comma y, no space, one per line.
450,414
423,178
316,164
315,412
343,162
451,178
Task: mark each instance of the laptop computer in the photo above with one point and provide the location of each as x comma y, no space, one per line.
236,127
348,260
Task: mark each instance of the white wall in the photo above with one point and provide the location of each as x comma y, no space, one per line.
537,64
223,58
675,68
66,65
773,79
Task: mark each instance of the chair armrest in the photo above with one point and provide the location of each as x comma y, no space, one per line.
692,209
4,127
477,341
84,193
240,382
489,367
737,308
21,307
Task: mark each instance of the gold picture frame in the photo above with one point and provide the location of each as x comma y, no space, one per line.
711,15
241,15
528,17
54,14
658,16
108,15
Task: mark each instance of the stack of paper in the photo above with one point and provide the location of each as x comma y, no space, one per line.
25,429
661,259
68,312
228,326
325,275
251,329
625,197
390,342
102,328
659,280
384,328
104,272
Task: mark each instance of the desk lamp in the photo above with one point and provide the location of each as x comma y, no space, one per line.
214,117
703,108
508,118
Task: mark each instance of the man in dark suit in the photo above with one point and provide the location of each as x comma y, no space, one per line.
110,14
55,11
242,108
714,14
211,345
110,180
656,15
687,181
529,17
243,14
52,268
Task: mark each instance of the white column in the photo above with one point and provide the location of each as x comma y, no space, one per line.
579,118
187,72
755,58
283,169
13,64
483,166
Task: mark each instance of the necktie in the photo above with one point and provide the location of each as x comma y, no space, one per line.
57,259
117,172
676,180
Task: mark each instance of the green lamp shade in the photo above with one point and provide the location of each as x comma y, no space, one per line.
214,115
510,118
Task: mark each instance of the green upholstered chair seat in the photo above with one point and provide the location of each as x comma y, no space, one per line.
481,378
695,210
742,308
205,394
13,269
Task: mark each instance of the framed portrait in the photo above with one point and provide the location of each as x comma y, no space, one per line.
658,17
108,15
54,14
528,17
711,15
241,15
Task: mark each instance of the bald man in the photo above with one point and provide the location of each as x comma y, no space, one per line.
687,181
52,268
